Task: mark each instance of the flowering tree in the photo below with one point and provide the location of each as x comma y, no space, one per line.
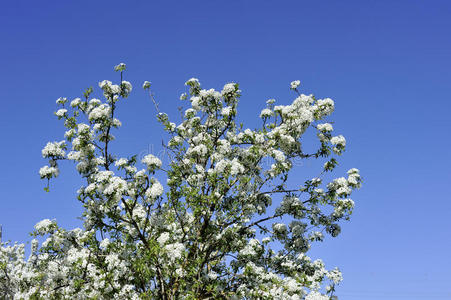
213,232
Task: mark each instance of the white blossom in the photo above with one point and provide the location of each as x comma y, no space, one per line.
226,111
315,295
228,88
127,87
105,83
54,149
76,102
295,84
100,112
163,238
338,140
146,85
236,168
61,100
48,172
266,113
326,127
121,162
152,162
43,225
61,112
104,243
120,67
175,250
155,190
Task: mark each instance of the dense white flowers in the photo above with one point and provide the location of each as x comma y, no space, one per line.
354,179
116,185
54,149
226,111
163,238
325,127
278,155
61,112
76,102
48,172
44,225
251,248
155,190
340,186
315,295
105,83
83,128
175,250
279,228
127,87
229,88
324,107
101,112
339,142
152,162
266,113
236,168
109,88
198,237
200,150
122,162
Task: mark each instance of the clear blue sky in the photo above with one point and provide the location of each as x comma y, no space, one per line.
387,65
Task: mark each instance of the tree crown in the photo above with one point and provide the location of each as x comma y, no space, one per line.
213,231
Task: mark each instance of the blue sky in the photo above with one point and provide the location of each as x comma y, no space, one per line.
387,65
